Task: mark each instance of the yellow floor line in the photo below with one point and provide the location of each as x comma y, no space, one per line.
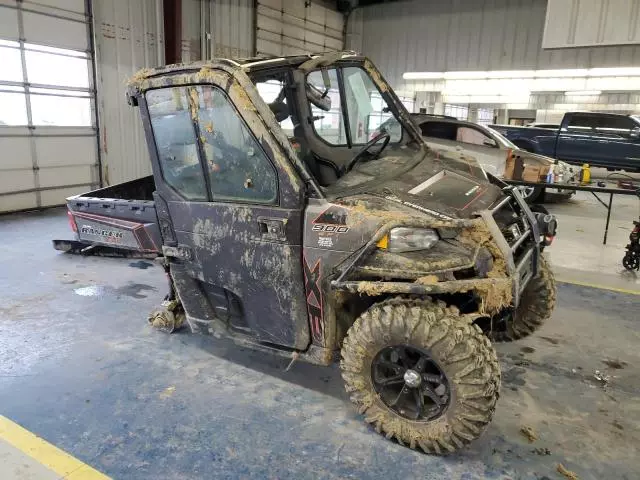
601,287
53,458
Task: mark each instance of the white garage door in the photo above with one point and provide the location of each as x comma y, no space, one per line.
293,27
48,143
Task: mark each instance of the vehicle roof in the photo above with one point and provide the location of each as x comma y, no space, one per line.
586,112
253,64
423,117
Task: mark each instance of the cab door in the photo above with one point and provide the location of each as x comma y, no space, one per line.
618,142
578,141
230,208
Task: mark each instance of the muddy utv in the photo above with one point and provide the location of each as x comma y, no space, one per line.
289,222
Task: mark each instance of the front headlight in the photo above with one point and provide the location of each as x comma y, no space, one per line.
403,239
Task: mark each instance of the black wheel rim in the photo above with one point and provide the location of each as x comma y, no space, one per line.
410,382
501,321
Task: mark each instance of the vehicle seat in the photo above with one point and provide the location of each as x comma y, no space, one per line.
280,110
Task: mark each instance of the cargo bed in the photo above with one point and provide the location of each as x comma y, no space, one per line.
121,216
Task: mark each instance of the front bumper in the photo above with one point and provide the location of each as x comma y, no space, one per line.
519,233
513,228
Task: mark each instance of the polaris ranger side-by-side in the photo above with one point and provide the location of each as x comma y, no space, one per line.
285,226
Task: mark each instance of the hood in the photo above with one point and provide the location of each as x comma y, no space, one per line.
445,187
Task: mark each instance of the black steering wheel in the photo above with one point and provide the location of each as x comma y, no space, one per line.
374,141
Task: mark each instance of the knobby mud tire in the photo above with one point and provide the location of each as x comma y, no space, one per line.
536,306
465,355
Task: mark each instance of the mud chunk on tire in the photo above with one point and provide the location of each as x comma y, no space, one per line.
536,306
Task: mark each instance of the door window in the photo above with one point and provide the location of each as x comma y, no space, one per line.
190,121
616,124
176,142
329,125
582,123
444,130
474,137
238,168
273,93
366,111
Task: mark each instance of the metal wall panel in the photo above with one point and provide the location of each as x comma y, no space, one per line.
191,27
573,23
232,28
293,27
454,35
226,30
129,36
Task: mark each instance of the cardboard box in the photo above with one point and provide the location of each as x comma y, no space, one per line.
531,173
509,168
513,167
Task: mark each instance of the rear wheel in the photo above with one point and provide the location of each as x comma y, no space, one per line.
536,305
631,261
420,374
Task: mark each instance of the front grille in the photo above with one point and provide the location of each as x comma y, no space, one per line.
513,223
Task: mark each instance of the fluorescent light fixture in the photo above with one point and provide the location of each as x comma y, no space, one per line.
514,74
564,73
422,75
614,72
512,92
583,92
465,75
511,74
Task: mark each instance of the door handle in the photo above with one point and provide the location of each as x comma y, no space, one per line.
603,141
272,228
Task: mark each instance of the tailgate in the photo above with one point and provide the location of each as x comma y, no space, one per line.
127,224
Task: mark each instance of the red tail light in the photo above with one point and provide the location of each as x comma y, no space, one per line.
72,221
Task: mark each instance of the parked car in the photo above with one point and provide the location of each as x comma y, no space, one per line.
491,149
601,139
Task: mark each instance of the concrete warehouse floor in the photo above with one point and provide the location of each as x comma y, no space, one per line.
80,367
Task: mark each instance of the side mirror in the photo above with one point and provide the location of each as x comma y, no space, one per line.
489,143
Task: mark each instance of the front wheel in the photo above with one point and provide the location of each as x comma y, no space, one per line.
531,194
420,374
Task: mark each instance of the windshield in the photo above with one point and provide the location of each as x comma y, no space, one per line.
356,111
331,116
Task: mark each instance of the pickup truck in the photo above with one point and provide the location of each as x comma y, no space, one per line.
600,139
